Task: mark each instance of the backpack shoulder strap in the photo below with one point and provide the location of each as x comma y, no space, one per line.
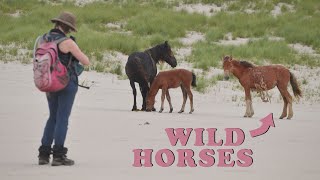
57,38
36,44
58,41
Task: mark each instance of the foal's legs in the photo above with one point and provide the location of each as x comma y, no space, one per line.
169,101
249,108
134,91
188,90
164,92
185,96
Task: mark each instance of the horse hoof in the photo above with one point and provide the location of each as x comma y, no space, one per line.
170,110
160,110
180,112
190,112
281,117
153,109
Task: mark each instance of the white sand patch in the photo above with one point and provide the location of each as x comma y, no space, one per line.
192,37
250,11
277,9
16,14
182,53
113,25
206,9
308,78
16,52
117,27
85,2
241,41
274,38
234,42
229,40
189,66
115,58
303,49
79,3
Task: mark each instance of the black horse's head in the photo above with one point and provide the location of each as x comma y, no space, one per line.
165,54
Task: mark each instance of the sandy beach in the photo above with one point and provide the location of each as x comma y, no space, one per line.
103,132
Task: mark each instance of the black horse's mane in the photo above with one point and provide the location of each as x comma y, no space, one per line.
155,52
246,64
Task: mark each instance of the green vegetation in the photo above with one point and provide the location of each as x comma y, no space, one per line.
207,54
147,23
204,83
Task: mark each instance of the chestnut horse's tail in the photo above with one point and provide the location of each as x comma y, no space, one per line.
295,86
194,82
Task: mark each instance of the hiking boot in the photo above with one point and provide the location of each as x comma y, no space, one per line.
60,157
62,161
44,155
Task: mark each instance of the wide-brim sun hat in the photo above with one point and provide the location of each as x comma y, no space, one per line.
66,18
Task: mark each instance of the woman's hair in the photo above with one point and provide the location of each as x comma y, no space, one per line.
64,27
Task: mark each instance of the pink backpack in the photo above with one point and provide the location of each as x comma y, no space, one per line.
49,74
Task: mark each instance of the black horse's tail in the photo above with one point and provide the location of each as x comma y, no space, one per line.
194,80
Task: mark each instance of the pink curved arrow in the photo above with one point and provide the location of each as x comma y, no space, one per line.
267,122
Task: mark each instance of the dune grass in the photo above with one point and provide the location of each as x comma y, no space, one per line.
204,83
261,51
153,22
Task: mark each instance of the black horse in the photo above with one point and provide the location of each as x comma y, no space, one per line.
141,67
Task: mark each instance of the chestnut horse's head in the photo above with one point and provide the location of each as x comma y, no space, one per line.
167,55
227,65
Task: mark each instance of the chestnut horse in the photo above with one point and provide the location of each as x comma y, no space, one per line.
172,79
263,78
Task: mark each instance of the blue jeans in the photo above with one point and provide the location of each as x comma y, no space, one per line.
60,106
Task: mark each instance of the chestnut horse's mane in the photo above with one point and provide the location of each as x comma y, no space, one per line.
246,64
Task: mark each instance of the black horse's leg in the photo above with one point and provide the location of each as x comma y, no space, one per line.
144,88
134,91
151,80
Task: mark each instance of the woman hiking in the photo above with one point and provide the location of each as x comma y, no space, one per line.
60,102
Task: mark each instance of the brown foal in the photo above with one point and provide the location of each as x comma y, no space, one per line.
172,79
